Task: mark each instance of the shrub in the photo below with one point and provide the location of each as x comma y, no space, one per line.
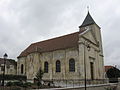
113,73
27,84
9,84
18,83
16,89
13,77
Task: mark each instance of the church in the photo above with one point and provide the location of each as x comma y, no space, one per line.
72,56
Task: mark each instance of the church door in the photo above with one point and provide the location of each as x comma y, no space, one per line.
92,70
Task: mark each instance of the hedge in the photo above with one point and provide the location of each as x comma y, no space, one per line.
13,77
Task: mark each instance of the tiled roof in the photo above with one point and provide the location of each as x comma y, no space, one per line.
66,41
8,62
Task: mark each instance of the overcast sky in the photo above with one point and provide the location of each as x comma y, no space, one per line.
23,22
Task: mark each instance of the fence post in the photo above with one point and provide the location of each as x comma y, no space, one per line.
79,81
66,83
73,83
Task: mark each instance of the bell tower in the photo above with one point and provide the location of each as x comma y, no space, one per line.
90,25
92,59
87,23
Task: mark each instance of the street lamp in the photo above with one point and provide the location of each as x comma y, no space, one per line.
88,47
5,57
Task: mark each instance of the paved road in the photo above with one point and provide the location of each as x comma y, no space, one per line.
118,87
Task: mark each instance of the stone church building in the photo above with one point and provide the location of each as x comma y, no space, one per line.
66,57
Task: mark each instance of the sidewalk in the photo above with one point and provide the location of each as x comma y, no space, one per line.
92,87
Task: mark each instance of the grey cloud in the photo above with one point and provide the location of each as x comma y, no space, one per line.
23,22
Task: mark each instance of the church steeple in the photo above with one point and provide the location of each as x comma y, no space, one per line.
87,21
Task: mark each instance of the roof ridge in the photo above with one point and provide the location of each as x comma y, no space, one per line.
64,41
55,38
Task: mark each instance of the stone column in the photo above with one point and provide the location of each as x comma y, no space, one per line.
81,57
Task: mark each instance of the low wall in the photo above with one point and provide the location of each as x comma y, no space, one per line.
95,87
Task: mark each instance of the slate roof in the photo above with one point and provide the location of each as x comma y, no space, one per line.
88,20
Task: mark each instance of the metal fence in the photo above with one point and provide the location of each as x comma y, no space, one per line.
75,82
72,83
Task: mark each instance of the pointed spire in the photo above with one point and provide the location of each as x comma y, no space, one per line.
88,20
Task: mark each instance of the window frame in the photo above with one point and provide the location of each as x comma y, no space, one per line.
72,65
46,67
58,66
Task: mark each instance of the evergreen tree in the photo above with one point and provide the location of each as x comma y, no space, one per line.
39,76
113,73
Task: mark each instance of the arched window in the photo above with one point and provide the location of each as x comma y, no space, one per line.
72,65
58,66
46,67
22,68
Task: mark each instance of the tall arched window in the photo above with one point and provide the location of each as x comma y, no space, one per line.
46,67
58,66
72,65
22,68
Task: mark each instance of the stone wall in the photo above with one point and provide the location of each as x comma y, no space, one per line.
92,38
11,69
36,60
